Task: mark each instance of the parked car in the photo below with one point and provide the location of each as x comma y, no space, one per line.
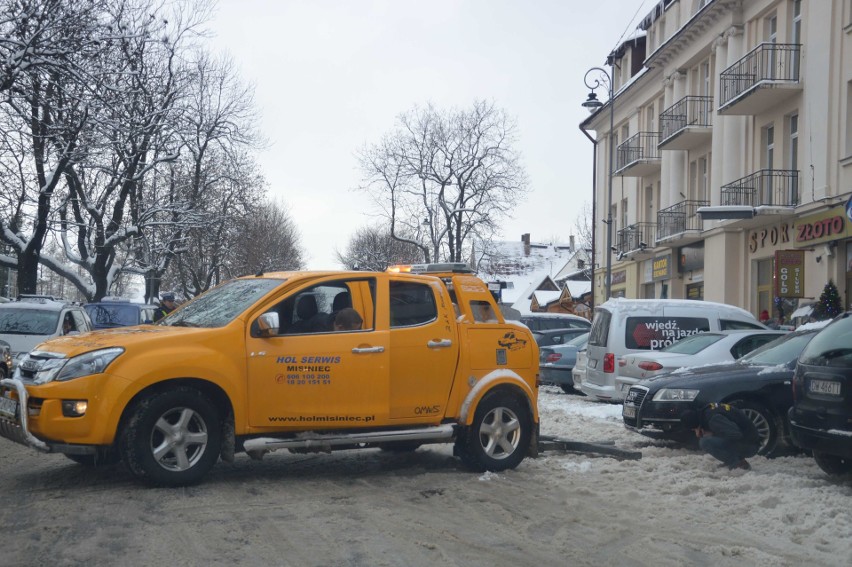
557,336
758,383
33,319
821,419
110,313
5,360
556,362
578,373
623,326
542,321
718,347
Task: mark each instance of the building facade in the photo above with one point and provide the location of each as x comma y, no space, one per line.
732,155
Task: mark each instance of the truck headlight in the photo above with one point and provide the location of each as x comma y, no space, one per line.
62,369
675,395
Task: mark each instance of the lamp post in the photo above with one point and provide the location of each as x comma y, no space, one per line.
595,78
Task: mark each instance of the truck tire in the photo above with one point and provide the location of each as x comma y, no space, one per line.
499,436
172,438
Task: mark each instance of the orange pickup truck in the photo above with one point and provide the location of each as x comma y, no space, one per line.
257,364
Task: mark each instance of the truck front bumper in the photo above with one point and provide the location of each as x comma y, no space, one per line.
15,427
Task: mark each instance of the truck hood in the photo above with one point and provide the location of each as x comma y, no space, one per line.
126,337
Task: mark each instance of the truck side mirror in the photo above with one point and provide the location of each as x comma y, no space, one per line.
267,324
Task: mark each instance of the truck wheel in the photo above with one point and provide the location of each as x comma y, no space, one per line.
173,437
499,436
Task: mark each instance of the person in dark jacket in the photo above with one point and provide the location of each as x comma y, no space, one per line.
167,305
725,432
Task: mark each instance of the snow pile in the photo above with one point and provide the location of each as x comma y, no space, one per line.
676,506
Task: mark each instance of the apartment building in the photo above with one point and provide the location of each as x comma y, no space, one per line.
732,155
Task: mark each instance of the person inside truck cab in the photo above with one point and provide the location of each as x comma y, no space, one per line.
348,320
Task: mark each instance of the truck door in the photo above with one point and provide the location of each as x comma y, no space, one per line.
424,349
312,373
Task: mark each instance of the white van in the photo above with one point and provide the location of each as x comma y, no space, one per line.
622,326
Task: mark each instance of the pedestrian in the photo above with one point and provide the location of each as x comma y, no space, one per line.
725,432
167,305
764,316
347,320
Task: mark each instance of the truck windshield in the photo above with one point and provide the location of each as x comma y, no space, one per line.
220,305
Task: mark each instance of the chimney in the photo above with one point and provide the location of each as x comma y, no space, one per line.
571,242
525,238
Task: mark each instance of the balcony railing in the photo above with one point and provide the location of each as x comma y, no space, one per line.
688,112
679,218
767,187
636,237
638,152
768,62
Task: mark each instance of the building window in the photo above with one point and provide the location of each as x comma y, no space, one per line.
793,124
849,117
768,163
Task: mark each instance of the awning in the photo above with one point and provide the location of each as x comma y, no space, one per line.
803,311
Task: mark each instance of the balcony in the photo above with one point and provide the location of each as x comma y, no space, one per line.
687,123
775,188
680,223
638,156
767,75
635,240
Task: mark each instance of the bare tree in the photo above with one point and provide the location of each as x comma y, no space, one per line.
372,248
445,178
267,240
46,46
207,190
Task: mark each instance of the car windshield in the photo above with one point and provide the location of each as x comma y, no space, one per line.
831,347
113,315
579,341
222,304
692,344
780,351
22,321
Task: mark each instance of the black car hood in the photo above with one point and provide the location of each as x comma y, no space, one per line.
702,375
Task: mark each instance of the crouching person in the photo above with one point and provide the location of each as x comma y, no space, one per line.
725,432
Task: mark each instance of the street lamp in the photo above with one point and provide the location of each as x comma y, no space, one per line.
600,77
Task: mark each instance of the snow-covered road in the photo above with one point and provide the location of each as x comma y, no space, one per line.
364,508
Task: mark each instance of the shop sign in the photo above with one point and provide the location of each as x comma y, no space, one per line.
790,273
828,225
769,236
662,268
691,257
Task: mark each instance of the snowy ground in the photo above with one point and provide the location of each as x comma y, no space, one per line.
365,508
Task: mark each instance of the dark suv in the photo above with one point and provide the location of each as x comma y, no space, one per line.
110,313
821,419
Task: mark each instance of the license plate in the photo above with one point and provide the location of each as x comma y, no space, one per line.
8,407
628,411
824,387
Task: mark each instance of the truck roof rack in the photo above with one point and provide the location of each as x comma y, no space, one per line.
440,268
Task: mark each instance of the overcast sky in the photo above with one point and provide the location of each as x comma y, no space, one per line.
331,76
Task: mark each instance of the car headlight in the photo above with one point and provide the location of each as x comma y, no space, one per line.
62,369
675,395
